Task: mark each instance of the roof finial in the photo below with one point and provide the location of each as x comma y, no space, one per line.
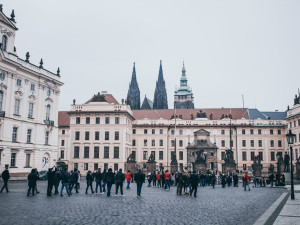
12,16
58,72
41,64
27,57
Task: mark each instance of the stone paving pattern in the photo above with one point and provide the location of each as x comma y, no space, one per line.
156,206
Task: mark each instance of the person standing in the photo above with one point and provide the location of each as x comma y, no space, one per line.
271,178
104,181
194,180
149,178
247,180
158,179
120,177
5,177
89,182
57,178
162,178
98,177
74,181
64,182
78,181
128,179
235,180
213,180
167,180
31,182
109,180
179,182
50,175
223,181
139,178
154,178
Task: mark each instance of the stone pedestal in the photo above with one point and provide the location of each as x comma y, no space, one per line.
200,166
256,167
287,177
151,166
174,166
131,166
229,167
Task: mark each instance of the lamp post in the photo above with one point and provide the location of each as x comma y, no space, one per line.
290,139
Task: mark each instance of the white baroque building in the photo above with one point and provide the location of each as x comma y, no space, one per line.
29,97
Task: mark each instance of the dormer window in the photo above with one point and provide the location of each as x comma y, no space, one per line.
19,82
4,42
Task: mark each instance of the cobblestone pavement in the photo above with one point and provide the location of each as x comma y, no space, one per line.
156,206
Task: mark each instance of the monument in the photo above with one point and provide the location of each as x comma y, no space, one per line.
151,163
131,163
256,167
229,163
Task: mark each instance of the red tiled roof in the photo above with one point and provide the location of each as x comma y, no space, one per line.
108,97
237,113
63,119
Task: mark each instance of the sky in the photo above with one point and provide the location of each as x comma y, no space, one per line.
230,48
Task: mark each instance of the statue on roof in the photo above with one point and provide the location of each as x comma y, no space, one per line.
297,100
74,101
98,98
222,117
192,116
201,114
211,116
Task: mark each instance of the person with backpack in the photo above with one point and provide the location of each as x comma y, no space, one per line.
5,177
120,177
247,181
128,179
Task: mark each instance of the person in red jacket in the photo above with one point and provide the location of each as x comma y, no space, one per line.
158,179
247,180
128,178
167,180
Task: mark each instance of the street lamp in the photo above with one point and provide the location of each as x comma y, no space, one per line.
290,139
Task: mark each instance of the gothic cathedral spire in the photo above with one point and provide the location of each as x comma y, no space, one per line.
160,96
133,95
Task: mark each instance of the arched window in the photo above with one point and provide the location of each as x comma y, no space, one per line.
1,100
48,112
4,42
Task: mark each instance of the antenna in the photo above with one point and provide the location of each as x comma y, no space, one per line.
243,101
298,91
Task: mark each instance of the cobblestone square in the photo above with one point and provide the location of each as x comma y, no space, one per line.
156,206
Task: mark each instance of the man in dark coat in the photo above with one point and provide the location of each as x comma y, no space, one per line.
139,178
179,182
51,181
64,182
235,180
194,180
5,177
271,178
74,178
109,179
120,177
57,179
223,181
98,177
31,182
89,182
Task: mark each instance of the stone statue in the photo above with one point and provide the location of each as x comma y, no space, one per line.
192,116
296,100
122,101
201,114
257,166
201,158
222,117
151,158
74,101
286,162
211,116
130,159
229,157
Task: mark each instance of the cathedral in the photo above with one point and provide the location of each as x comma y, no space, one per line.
183,98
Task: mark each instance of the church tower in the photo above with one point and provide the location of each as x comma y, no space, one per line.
160,96
183,97
133,95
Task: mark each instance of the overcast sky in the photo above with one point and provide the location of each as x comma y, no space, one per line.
229,48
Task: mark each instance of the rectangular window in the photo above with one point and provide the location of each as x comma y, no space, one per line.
76,165
13,159
180,155
260,155
106,135
62,143
96,152
87,136
259,143
63,131
17,107
32,87
77,135
29,131
97,120
279,143
180,143
77,120
116,166
223,143
259,131
152,142
96,166
161,142
87,120
2,76
271,132
76,152
244,143
47,138
133,142
134,131
145,142
252,155
106,120
86,153
223,132
153,131
86,166
272,143
180,132
279,132
243,131
14,134
116,152
172,143
251,131
145,131
133,154
106,166
161,155
272,156
252,143
62,154
97,135
27,162
106,152
145,155
161,131
222,155
19,82
153,154
244,156
30,110
116,135
172,132
117,120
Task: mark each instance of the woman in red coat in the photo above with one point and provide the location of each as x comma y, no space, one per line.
128,178
158,179
246,180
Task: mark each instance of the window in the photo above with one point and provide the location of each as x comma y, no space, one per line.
133,154
48,112
96,152
279,132
29,131
2,76
87,135
116,135
243,131
145,155
272,156
77,120
17,107
62,154
259,131
76,152
32,87
172,143
180,132
180,143
180,155
97,120
161,131
30,110
106,120
296,152
161,142
14,134
251,131
252,143
161,155
77,135
47,138
4,43
145,131
97,136
153,153
244,143
87,120
223,143
27,162
252,155
145,142
271,132
259,143
63,131
222,155
86,166
86,152
172,155
134,131
244,156
106,152
96,166
1,100
153,131
116,152
272,143
62,142
116,166
19,82
106,166
223,132
279,143
172,132
260,155
13,159
117,120
133,142
106,135
298,122
48,92
152,142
